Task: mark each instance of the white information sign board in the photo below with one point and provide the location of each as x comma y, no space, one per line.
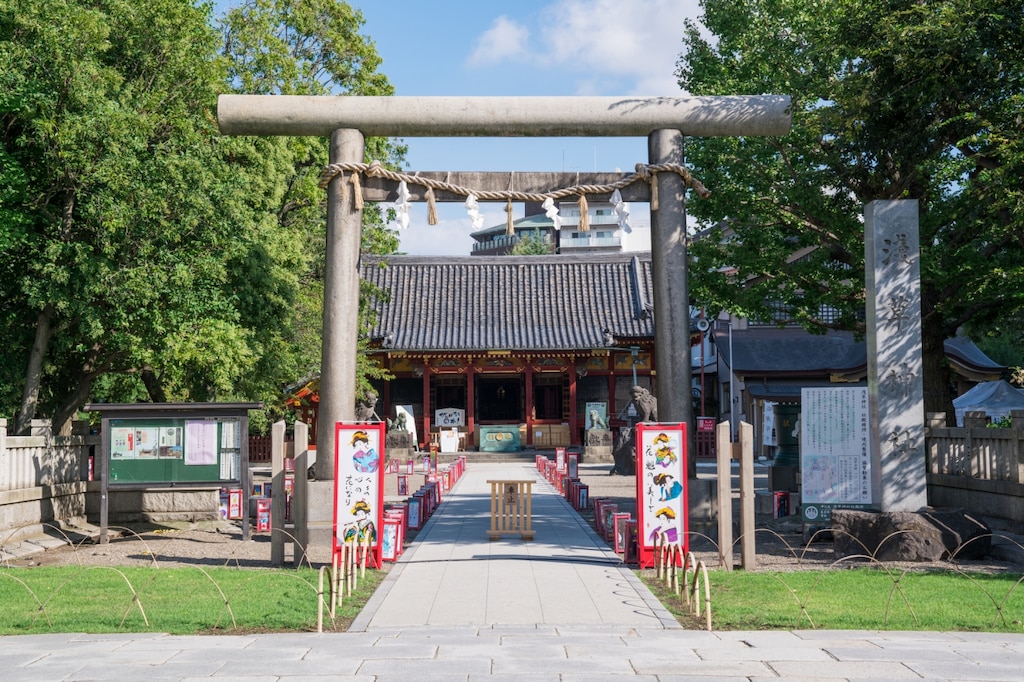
835,453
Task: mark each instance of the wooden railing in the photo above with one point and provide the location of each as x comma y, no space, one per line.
975,450
976,467
259,449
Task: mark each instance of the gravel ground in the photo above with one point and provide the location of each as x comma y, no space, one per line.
780,545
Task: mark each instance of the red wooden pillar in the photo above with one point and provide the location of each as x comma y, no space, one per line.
573,426
654,379
612,414
425,435
385,400
470,405
529,404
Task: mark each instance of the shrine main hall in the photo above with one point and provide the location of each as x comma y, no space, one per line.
526,347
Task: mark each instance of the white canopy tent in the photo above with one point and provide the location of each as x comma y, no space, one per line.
994,398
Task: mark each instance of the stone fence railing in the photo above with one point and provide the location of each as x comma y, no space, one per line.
43,478
42,459
975,467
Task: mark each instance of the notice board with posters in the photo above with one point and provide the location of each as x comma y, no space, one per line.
175,450
167,445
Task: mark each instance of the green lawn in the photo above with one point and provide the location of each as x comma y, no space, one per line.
174,600
194,600
858,599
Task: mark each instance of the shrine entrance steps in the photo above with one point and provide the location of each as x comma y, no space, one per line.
527,456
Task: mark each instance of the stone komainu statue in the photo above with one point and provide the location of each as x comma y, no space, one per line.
646,407
399,435
645,403
400,423
365,407
597,421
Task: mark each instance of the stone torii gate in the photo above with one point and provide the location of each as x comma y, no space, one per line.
347,119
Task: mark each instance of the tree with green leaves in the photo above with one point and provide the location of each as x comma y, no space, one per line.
891,100
531,243
118,257
149,258
1003,341
313,47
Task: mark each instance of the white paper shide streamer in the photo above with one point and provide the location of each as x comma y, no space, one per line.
402,205
551,211
621,209
473,208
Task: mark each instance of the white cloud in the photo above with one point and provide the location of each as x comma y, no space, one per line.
600,46
504,40
450,237
639,40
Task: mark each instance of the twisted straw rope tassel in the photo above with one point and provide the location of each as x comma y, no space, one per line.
357,190
510,227
431,207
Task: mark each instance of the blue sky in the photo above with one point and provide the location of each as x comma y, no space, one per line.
525,47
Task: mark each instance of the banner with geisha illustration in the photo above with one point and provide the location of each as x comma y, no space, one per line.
359,485
662,509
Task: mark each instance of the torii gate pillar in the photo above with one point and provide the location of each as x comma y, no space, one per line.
341,304
338,350
669,270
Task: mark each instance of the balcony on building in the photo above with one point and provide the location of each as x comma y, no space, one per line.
602,237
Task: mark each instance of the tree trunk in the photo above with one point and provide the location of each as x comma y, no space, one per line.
154,387
34,373
67,411
938,396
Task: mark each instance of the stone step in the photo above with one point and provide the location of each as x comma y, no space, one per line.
495,457
528,455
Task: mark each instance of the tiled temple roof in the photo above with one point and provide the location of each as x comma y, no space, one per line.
511,302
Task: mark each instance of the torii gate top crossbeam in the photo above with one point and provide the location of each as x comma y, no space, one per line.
503,116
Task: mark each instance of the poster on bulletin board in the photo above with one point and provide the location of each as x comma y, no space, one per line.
359,485
159,450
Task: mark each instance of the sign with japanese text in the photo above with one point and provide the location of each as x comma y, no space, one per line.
835,453
662,509
450,416
768,435
359,485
